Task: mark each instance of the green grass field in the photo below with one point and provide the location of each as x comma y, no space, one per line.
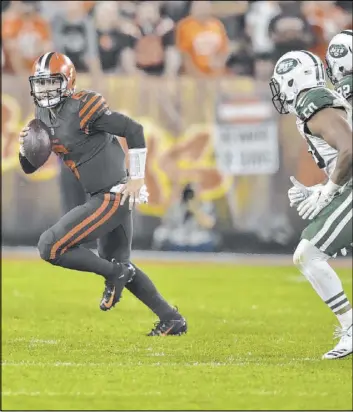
256,336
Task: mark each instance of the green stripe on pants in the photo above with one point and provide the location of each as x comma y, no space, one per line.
331,230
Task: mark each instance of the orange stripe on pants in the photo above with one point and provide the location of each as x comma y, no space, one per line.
80,226
96,225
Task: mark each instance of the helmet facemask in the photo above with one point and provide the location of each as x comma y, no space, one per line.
278,98
329,73
335,73
48,90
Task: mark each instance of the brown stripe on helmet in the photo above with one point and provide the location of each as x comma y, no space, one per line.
47,63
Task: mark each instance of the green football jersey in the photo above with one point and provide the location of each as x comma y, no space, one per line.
307,105
345,88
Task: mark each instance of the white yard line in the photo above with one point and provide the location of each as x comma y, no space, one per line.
152,393
233,362
61,394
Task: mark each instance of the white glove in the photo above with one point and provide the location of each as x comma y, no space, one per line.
143,194
298,192
318,200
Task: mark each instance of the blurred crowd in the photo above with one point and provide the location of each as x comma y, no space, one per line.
167,38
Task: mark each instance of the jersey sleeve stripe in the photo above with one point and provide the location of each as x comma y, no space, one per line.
103,108
80,95
88,105
95,109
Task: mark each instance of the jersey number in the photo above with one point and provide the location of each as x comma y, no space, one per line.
309,110
344,90
61,151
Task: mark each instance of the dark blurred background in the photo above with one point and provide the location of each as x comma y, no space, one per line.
164,37
195,74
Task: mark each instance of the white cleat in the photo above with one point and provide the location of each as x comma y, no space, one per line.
344,347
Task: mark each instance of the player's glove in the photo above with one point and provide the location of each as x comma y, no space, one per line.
137,196
143,195
317,201
298,192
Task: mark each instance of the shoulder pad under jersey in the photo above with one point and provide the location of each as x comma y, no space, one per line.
92,106
317,99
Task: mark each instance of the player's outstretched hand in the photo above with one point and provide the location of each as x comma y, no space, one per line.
298,192
23,134
132,191
312,206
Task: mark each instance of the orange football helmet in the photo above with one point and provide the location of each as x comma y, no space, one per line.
53,79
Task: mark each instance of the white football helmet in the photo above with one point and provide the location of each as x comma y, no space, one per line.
339,56
294,72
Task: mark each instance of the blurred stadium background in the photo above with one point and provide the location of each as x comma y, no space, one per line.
203,99
218,172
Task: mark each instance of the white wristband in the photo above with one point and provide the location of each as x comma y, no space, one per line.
330,187
137,163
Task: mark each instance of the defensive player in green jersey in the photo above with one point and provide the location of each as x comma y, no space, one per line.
82,133
339,60
324,119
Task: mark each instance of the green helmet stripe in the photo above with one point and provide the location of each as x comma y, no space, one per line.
316,64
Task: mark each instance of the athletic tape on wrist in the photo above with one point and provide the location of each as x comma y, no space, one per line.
330,187
137,163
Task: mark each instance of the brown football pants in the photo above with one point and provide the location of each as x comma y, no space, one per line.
101,218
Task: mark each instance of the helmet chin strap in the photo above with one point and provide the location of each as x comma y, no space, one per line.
52,113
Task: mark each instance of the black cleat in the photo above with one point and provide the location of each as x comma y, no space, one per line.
169,327
115,286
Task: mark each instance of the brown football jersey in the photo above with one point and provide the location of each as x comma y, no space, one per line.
94,156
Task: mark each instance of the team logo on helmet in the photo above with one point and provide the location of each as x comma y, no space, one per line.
338,50
286,66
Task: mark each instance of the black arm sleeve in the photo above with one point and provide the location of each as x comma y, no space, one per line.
27,167
123,126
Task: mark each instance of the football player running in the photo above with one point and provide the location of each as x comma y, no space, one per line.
82,133
324,120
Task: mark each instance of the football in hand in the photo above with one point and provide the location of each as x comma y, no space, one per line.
37,144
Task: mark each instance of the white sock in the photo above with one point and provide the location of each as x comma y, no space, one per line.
313,265
346,319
